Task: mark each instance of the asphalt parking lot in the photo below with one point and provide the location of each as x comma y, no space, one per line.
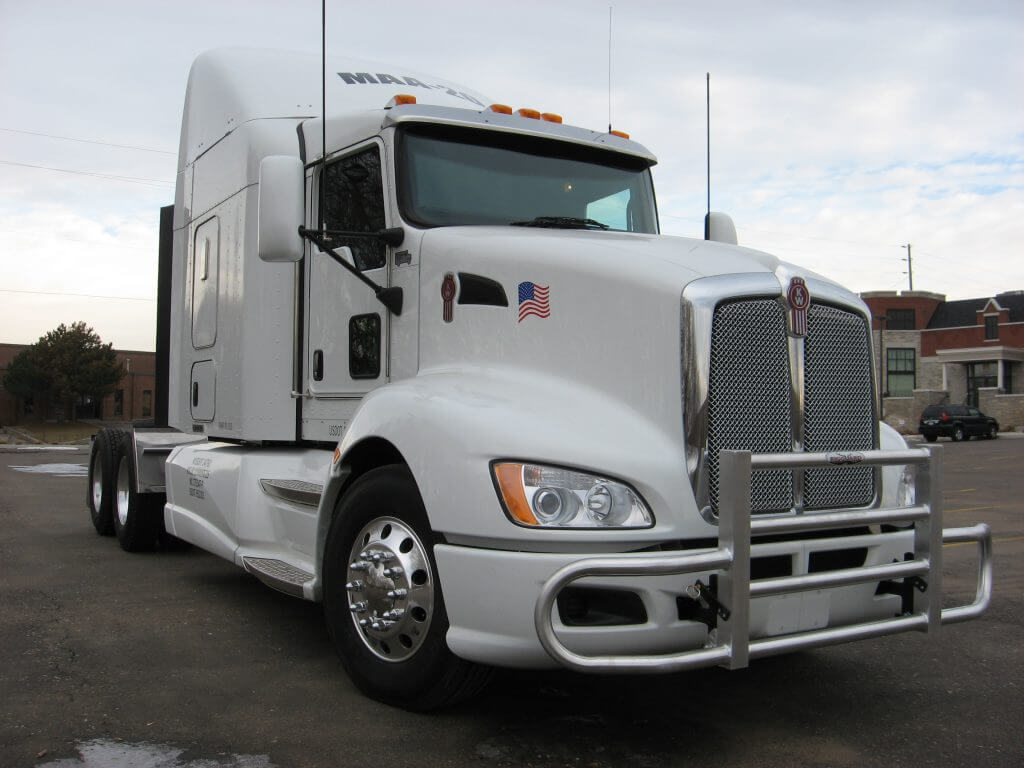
178,659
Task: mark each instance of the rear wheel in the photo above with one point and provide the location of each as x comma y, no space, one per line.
102,479
382,598
931,438
137,516
958,433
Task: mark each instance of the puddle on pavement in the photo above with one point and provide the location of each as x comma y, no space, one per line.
103,753
60,470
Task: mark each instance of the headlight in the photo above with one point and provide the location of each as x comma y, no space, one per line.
551,497
905,494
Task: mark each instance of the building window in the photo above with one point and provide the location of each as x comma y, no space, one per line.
900,373
991,327
119,402
900,320
147,403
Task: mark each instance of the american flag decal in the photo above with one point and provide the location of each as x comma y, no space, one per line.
533,300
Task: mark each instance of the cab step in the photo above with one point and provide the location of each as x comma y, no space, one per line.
278,574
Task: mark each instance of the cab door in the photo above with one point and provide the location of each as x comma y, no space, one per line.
346,350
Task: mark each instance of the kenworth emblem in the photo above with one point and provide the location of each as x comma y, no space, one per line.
448,297
799,299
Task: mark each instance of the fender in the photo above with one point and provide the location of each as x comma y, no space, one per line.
452,423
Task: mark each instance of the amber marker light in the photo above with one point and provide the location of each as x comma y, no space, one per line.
533,114
501,109
399,99
510,483
551,117
620,134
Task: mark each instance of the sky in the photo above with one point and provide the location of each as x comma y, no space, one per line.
840,131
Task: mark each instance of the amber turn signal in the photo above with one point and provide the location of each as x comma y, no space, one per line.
533,114
551,117
502,109
620,134
400,98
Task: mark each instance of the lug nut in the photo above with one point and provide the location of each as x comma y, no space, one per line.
395,570
359,565
397,594
358,607
394,614
381,624
354,586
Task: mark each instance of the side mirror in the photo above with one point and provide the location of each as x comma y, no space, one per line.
719,227
281,198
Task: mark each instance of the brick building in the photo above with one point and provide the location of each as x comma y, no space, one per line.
933,351
133,398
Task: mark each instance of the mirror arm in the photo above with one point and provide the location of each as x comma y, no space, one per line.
393,236
389,297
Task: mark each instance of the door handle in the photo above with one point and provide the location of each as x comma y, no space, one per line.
318,365
195,393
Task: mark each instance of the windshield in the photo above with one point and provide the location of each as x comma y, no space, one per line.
456,176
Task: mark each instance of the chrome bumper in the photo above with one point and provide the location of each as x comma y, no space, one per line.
730,644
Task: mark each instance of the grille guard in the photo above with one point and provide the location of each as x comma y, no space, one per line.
733,648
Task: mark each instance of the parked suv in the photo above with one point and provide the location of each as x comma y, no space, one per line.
960,422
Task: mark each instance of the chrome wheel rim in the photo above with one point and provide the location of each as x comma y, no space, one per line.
123,482
96,473
390,587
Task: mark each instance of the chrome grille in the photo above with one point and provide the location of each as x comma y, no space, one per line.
749,396
838,405
750,401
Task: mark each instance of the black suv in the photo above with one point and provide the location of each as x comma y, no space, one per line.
960,422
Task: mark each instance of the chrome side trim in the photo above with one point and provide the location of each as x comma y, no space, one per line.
796,414
730,644
295,491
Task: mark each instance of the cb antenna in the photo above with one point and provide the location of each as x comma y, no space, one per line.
609,69
323,118
707,113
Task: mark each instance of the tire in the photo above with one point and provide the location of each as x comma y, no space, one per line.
99,491
958,433
931,438
138,517
993,432
408,663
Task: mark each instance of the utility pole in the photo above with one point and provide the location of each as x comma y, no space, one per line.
910,265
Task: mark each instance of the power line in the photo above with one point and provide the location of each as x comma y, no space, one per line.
77,295
133,179
63,237
89,141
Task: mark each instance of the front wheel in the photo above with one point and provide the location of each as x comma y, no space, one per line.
993,431
958,433
382,598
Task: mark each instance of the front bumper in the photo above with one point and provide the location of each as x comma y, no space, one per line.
501,605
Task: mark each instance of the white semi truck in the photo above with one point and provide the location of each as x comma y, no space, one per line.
429,361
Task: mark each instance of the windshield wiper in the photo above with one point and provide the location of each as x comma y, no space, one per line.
561,222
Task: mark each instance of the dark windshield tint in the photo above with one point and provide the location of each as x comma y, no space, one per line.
457,176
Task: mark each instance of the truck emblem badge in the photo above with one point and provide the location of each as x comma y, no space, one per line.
799,299
448,296
533,300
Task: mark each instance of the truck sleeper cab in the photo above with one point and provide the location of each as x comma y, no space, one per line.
448,378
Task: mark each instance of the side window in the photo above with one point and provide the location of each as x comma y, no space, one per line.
355,203
974,412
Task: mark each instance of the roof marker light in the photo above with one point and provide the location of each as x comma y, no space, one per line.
620,134
502,109
533,114
399,99
550,117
